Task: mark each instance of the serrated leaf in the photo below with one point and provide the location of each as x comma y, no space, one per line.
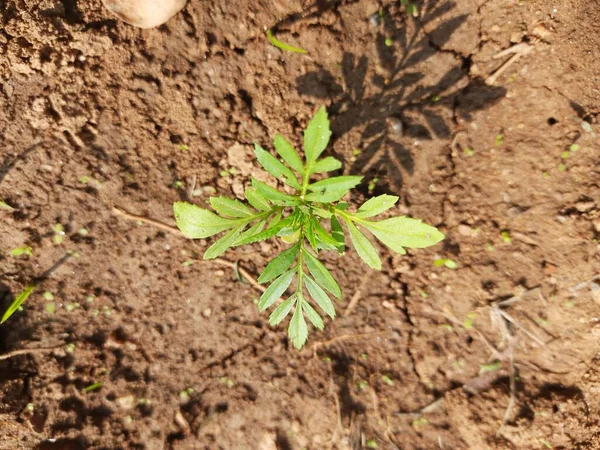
275,290
288,153
328,164
327,241
272,193
322,212
275,167
321,274
281,311
230,207
257,200
271,231
310,235
313,315
363,247
279,265
221,246
404,232
326,195
316,136
376,205
344,182
337,232
196,223
319,296
298,331
16,304
250,232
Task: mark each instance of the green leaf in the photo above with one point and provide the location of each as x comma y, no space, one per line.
282,45
288,153
326,195
337,232
282,311
221,246
6,206
376,205
310,235
275,167
322,212
275,290
279,265
250,232
316,136
400,232
313,315
196,223
298,331
16,304
363,247
230,207
319,296
24,250
327,241
328,164
345,182
257,200
272,193
321,274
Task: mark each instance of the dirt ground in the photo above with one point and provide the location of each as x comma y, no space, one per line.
101,122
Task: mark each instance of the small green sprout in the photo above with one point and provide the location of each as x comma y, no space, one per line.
445,262
387,380
92,387
19,251
419,422
183,147
389,42
372,443
70,348
5,206
59,233
309,221
364,356
561,167
84,179
469,151
361,385
499,140
16,304
505,235
282,45
50,307
565,155
491,367
177,184
30,407
545,443
48,296
574,147
468,323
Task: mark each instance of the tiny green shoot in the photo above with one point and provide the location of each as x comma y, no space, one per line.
92,387
58,233
5,206
387,380
445,262
19,251
16,304
307,222
282,45
491,367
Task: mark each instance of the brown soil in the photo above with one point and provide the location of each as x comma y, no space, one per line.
424,356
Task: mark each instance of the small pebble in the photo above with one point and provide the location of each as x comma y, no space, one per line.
207,312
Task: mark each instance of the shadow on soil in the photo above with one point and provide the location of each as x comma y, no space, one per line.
403,107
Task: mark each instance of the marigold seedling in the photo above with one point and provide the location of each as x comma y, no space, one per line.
282,45
310,221
16,304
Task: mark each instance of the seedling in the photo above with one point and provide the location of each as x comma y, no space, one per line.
282,45
300,220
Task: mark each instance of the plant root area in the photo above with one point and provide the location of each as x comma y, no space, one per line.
481,115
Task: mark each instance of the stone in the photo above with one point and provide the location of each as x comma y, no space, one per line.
144,13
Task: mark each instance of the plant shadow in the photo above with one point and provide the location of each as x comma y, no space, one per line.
397,105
